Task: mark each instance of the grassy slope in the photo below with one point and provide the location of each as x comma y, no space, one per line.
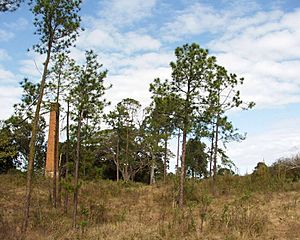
134,211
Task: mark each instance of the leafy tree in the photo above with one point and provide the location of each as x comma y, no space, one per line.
189,74
9,5
88,103
20,128
124,120
8,152
163,116
288,167
223,95
25,108
57,24
196,158
152,137
225,171
60,79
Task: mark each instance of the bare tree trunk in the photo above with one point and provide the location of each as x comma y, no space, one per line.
215,157
55,167
77,170
60,169
211,151
118,162
182,177
178,148
67,156
127,148
165,159
152,169
35,124
56,146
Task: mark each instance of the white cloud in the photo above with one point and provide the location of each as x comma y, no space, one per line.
8,30
8,97
150,60
280,140
6,76
108,38
5,35
134,41
19,24
123,12
113,29
32,67
4,55
134,83
194,20
99,36
264,50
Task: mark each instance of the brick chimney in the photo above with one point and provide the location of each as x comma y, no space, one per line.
53,139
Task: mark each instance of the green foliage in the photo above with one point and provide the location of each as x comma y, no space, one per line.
57,23
127,138
9,5
17,130
287,168
19,125
189,74
88,88
25,108
61,77
8,151
196,158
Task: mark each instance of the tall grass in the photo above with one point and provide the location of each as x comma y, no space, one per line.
248,207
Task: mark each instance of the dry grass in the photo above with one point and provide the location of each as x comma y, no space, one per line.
112,211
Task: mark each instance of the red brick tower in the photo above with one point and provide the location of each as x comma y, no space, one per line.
53,140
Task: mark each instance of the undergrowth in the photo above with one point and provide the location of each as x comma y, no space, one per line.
249,207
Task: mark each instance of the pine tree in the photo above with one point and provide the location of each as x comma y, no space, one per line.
86,97
57,24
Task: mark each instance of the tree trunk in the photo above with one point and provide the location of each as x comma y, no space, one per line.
127,148
182,177
118,162
77,170
178,148
55,167
165,159
211,151
35,124
67,156
152,169
60,169
215,157
56,146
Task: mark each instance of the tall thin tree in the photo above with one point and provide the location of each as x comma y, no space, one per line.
88,103
57,23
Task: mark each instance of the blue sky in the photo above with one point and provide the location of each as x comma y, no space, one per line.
135,40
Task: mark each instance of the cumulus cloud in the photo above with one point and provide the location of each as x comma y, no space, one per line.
123,12
266,52
134,83
110,39
194,20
